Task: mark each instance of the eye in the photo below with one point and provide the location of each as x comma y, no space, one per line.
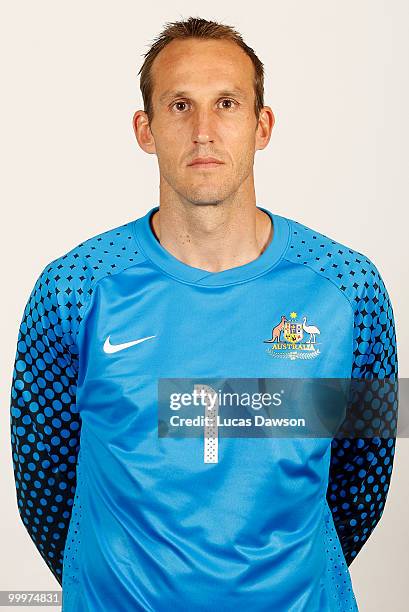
232,102
177,105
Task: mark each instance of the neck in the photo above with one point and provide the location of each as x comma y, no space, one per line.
213,237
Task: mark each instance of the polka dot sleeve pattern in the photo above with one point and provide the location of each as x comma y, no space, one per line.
361,467
44,419
45,425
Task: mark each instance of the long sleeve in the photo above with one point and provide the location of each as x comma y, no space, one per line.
361,467
45,425
45,419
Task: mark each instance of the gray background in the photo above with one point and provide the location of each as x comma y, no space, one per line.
337,81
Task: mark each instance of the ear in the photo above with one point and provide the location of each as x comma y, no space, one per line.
265,126
143,132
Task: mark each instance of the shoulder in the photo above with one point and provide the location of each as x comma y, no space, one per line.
101,255
66,284
354,273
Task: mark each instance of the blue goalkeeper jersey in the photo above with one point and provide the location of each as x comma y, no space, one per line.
127,519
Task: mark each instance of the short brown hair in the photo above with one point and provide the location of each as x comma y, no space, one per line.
195,27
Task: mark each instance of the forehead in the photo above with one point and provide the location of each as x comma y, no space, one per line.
194,63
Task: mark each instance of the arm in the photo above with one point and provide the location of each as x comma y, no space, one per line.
361,467
45,425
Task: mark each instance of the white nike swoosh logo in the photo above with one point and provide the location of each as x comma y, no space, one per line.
114,348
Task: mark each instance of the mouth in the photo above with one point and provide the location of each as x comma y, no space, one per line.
206,165
210,162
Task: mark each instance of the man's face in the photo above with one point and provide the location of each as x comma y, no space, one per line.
203,106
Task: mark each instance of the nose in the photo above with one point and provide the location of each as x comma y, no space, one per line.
202,138
202,128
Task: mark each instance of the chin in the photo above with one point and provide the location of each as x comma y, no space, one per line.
206,197
205,202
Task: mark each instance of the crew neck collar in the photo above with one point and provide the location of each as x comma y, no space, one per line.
162,258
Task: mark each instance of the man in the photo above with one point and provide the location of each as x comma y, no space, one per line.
207,284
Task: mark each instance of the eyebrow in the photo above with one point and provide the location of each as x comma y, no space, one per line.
169,94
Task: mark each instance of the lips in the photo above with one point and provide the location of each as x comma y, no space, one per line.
206,161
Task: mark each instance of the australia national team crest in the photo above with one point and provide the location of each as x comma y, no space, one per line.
294,339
